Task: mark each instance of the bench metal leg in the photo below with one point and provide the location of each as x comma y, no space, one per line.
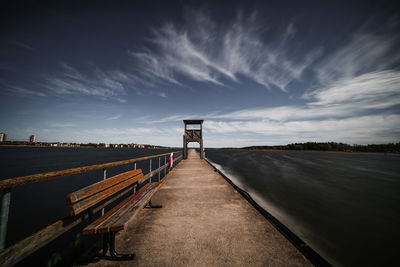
106,241
109,244
149,205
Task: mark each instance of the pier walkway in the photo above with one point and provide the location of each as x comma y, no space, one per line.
203,222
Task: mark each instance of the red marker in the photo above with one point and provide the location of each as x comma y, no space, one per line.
171,159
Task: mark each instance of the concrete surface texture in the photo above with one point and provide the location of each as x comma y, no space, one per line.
203,222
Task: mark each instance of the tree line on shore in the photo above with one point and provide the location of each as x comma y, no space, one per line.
333,146
94,145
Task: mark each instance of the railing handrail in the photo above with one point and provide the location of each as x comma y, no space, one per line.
22,180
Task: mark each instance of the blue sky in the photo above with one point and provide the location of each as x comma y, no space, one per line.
258,73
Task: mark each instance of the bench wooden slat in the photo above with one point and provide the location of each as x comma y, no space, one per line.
124,215
99,186
83,205
131,211
129,206
93,227
142,194
93,200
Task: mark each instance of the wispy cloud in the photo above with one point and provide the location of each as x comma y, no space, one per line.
18,90
116,117
373,90
359,130
162,94
174,118
62,124
205,51
369,92
150,135
153,69
18,44
358,105
70,81
355,111
364,53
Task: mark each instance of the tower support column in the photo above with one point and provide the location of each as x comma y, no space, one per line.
185,152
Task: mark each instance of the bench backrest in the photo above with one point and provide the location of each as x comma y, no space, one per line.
91,195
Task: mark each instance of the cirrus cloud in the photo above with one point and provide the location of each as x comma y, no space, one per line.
205,51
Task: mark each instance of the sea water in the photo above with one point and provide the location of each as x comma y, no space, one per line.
346,206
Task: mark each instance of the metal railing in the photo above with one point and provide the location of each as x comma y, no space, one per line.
20,250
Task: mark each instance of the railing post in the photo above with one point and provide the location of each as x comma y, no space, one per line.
150,170
159,165
104,177
5,209
165,169
134,187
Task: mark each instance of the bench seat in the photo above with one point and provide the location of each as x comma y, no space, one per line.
116,218
84,200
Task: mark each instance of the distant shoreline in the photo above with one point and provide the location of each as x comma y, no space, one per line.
84,147
330,151
328,147
44,146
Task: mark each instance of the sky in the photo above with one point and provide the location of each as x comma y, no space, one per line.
256,72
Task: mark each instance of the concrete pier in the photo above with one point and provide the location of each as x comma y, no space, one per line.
203,222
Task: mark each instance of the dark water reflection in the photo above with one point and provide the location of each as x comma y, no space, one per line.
346,206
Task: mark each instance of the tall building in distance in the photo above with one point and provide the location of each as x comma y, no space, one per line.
3,137
32,139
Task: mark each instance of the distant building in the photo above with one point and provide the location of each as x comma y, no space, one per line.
32,139
3,137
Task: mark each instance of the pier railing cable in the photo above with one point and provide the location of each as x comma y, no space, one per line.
16,252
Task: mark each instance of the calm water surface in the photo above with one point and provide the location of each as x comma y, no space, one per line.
346,206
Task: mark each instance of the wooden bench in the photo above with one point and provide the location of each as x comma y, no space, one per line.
85,199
